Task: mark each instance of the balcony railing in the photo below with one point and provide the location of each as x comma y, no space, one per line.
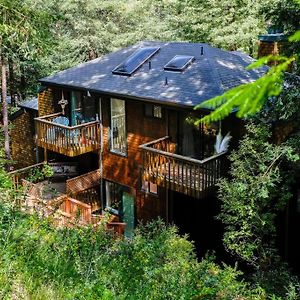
67,140
180,173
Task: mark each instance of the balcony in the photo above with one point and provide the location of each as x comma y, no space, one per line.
54,135
189,176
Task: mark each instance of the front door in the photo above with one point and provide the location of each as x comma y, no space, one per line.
128,213
119,201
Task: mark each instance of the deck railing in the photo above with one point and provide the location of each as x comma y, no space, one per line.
177,172
77,210
24,173
67,140
83,182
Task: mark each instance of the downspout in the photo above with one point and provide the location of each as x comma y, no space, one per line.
100,156
167,189
37,156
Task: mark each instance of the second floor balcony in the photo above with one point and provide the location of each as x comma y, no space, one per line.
190,176
54,133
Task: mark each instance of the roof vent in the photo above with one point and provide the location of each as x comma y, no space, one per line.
166,80
179,63
135,61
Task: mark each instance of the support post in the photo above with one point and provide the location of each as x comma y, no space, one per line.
45,155
73,107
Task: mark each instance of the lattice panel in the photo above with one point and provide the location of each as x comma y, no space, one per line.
83,182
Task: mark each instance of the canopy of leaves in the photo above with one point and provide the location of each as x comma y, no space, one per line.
252,197
232,25
24,31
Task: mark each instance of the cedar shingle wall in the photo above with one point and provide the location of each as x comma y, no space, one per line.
22,140
126,170
46,102
140,130
267,48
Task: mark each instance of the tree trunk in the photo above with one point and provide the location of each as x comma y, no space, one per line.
23,79
4,109
11,82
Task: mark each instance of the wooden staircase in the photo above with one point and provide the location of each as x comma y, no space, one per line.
85,188
64,210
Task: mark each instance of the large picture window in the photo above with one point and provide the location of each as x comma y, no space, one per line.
118,126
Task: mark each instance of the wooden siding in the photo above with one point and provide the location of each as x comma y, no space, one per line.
126,170
140,130
46,102
22,140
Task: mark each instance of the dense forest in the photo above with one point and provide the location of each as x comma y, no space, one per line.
52,36
38,261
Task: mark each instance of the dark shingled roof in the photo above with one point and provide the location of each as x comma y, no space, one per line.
30,104
208,76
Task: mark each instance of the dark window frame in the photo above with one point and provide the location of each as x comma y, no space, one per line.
132,63
152,116
115,191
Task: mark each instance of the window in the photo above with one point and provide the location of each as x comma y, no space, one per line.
118,133
179,63
113,196
136,60
149,187
153,111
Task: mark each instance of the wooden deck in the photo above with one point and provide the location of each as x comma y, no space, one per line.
67,140
64,210
179,173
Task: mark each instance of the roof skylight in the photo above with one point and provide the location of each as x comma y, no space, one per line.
134,61
179,63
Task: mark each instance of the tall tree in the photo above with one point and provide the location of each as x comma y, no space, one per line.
4,107
22,34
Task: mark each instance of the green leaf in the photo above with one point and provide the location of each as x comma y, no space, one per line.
295,37
249,98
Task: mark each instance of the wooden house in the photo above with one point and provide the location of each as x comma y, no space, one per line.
125,120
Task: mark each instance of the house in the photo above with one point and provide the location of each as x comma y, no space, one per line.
123,119
23,134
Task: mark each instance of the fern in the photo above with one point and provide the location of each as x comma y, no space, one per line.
248,99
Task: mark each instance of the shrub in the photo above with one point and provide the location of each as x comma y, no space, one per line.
41,262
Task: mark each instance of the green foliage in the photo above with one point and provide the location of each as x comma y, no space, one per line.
282,14
285,107
253,196
23,30
40,262
249,98
40,174
274,279
232,25
88,29
295,37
